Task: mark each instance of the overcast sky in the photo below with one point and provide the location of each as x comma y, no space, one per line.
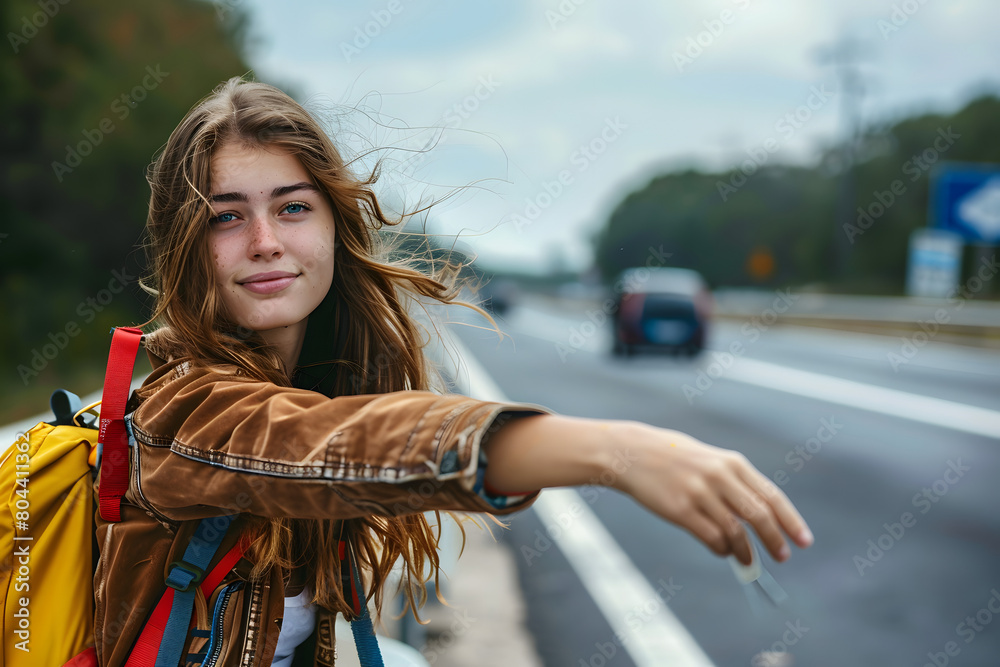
554,110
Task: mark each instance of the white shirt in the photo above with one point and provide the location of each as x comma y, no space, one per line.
297,625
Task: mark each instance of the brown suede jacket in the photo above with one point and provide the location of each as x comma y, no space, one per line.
208,441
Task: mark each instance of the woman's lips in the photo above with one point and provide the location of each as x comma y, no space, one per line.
268,284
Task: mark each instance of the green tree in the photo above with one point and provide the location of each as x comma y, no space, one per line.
715,222
90,92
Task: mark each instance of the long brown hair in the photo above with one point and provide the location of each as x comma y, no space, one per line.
369,304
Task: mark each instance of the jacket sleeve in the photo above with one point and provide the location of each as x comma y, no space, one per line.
206,443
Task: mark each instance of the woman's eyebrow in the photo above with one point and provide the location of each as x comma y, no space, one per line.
283,190
279,191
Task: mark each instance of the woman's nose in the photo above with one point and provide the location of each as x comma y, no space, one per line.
264,240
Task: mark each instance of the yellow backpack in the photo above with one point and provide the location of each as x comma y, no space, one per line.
47,538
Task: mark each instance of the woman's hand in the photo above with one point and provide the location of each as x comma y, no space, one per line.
706,490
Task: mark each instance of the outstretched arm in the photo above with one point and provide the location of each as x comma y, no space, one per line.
702,488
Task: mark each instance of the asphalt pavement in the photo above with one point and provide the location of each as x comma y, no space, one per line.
905,566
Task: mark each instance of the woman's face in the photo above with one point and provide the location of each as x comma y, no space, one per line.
271,239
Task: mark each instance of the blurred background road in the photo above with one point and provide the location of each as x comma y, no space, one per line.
853,473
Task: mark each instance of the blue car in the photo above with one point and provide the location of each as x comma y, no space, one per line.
661,309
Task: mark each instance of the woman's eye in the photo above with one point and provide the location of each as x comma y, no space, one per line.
224,217
295,208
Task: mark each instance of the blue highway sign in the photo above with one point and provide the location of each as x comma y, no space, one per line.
965,199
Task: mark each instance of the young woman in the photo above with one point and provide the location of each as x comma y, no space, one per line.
290,389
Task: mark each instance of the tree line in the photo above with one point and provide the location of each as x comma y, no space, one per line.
767,224
90,92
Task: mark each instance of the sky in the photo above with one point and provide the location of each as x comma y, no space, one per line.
531,119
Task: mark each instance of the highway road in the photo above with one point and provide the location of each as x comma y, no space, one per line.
889,447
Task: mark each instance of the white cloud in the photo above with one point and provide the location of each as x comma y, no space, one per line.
558,84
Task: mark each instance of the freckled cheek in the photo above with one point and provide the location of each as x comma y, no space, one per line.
316,253
222,263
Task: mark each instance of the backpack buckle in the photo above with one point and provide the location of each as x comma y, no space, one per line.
184,576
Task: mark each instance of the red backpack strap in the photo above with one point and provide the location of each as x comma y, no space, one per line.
147,646
112,436
85,658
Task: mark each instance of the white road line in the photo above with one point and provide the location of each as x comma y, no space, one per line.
613,581
926,409
617,586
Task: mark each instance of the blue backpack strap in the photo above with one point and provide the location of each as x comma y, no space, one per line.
184,577
365,641
361,627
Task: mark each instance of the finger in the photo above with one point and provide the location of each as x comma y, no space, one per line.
788,517
705,529
739,497
755,511
730,527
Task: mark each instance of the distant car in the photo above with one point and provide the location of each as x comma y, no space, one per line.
661,309
497,296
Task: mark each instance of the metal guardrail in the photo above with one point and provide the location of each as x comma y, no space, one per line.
959,320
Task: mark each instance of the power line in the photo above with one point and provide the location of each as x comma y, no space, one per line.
845,57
